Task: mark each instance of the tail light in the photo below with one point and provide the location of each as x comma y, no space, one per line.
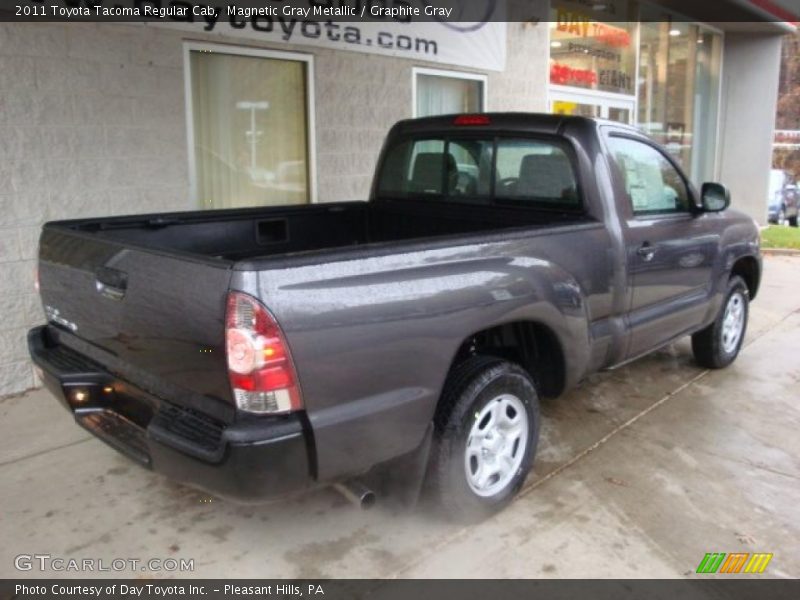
260,367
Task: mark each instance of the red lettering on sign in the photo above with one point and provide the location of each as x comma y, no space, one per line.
563,75
581,25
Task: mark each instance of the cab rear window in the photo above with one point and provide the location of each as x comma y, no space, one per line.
510,169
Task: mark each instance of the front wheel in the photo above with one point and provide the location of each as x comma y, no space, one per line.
487,428
718,345
793,221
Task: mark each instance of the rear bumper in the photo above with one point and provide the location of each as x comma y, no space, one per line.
249,460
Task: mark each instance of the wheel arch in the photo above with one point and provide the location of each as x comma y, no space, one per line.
749,269
532,344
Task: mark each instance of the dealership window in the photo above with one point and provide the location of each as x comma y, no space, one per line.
673,94
249,127
593,47
448,92
679,90
593,59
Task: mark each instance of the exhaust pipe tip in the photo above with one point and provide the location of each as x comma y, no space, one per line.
368,500
357,493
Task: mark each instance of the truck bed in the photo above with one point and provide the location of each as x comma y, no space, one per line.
241,234
145,295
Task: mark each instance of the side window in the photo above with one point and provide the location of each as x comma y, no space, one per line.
653,185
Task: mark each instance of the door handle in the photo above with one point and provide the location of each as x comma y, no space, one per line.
647,251
111,283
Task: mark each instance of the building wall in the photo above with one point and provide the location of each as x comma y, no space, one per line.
523,85
751,68
93,123
90,124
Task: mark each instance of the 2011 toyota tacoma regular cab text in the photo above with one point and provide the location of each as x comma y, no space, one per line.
500,259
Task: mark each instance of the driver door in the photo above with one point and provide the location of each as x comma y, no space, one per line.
670,247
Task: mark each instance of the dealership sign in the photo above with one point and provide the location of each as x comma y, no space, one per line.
468,33
418,35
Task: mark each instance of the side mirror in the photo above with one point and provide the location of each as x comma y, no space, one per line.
715,197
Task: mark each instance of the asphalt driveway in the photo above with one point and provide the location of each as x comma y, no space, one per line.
641,471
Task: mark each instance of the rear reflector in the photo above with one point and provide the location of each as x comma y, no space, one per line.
260,367
472,120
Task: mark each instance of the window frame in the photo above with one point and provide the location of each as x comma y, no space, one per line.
690,193
247,51
447,74
565,145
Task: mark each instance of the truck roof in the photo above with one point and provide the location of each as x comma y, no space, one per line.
507,121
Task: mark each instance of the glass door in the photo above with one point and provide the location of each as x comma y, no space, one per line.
587,104
679,90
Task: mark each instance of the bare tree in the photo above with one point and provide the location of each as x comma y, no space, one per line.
788,116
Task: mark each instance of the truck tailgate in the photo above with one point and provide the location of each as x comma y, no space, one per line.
152,318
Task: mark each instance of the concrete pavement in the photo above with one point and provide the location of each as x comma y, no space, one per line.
640,472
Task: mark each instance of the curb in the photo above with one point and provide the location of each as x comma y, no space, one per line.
780,252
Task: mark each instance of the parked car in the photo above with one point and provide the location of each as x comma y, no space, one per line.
783,199
258,352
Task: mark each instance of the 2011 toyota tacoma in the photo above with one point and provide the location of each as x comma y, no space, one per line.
500,259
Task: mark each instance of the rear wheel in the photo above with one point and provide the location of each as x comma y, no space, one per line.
718,345
793,221
487,428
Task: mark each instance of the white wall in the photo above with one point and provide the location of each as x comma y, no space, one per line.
92,123
751,68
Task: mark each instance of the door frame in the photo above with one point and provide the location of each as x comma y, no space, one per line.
604,100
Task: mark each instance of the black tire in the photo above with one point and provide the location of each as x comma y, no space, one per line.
470,388
793,221
708,345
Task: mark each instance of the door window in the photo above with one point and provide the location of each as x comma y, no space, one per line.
653,184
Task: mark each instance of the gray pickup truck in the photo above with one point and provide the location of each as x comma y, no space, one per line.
501,258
